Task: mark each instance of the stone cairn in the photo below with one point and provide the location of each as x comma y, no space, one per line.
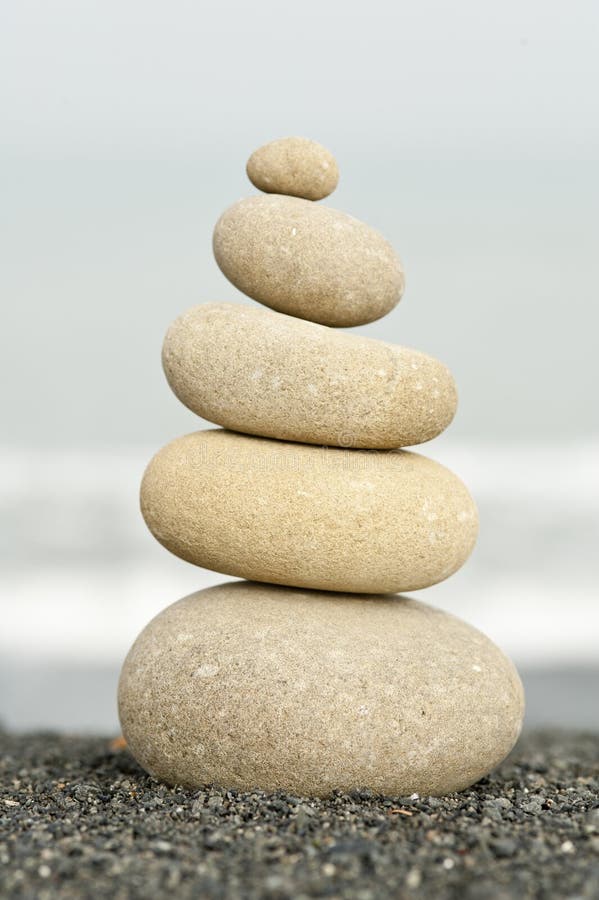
313,674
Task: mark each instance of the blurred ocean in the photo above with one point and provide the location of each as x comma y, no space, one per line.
126,127
81,576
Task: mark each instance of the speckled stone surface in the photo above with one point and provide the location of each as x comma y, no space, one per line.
308,260
296,166
326,518
260,372
254,686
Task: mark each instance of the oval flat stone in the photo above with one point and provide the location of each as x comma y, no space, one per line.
308,260
327,518
260,372
253,686
295,166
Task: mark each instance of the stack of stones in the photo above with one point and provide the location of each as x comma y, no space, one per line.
314,674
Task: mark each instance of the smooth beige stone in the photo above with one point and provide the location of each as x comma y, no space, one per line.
296,166
308,260
253,686
326,518
261,372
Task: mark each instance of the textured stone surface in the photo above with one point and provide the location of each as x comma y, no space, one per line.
260,372
327,518
308,260
249,685
296,166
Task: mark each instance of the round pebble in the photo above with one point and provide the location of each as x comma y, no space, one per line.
263,373
295,166
308,260
316,517
252,686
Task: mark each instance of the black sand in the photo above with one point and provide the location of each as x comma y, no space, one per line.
79,819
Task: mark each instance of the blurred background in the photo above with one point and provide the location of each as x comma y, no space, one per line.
467,133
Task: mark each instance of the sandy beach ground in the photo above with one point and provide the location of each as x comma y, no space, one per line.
79,819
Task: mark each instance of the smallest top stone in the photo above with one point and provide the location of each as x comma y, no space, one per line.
295,166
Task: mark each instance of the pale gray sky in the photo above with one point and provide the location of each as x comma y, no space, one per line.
468,132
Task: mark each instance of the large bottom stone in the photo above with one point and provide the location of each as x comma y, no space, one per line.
256,686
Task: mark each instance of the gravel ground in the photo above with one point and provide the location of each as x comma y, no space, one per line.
79,819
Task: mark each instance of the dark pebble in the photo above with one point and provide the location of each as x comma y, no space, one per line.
78,820
504,847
